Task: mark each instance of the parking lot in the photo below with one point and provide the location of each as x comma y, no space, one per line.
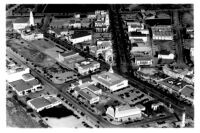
133,96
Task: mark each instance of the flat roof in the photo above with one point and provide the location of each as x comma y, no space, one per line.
68,53
78,34
22,20
20,85
188,91
137,34
27,76
108,78
33,82
77,88
175,84
93,88
143,58
87,94
43,101
87,63
126,107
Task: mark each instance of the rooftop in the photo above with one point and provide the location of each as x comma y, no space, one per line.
108,78
143,58
69,53
27,76
43,101
33,82
22,20
164,52
175,84
93,88
87,63
78,34
87,94
20,85
188,91
137,34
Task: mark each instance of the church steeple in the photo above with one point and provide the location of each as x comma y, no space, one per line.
111,70
31,19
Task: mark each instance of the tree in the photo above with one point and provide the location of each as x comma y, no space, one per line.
87,49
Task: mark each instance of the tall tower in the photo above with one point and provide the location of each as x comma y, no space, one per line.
31,19
111,70
183,120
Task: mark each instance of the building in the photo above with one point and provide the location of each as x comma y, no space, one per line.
190,32
67,55
143,61
141,50
29,35
27,77
137,35
75,24
162,32
15,72
110,81
24,88
173,85
173,74
87,66
102,23
163,54
189,79
124,113
103,49
70,59
43,102
80,36
94,89
87,95
188,93
134,26
86,84
22,23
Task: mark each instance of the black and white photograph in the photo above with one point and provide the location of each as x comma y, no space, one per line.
99,65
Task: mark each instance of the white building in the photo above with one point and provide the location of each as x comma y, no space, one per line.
104,47
75,23
102,23
162,32
78,38
172,73
27,77
110,81
31,35
169,56
67,55
43,102
124,113
22,23
143,61
16,73
134,26
24,88
87,66
86,94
